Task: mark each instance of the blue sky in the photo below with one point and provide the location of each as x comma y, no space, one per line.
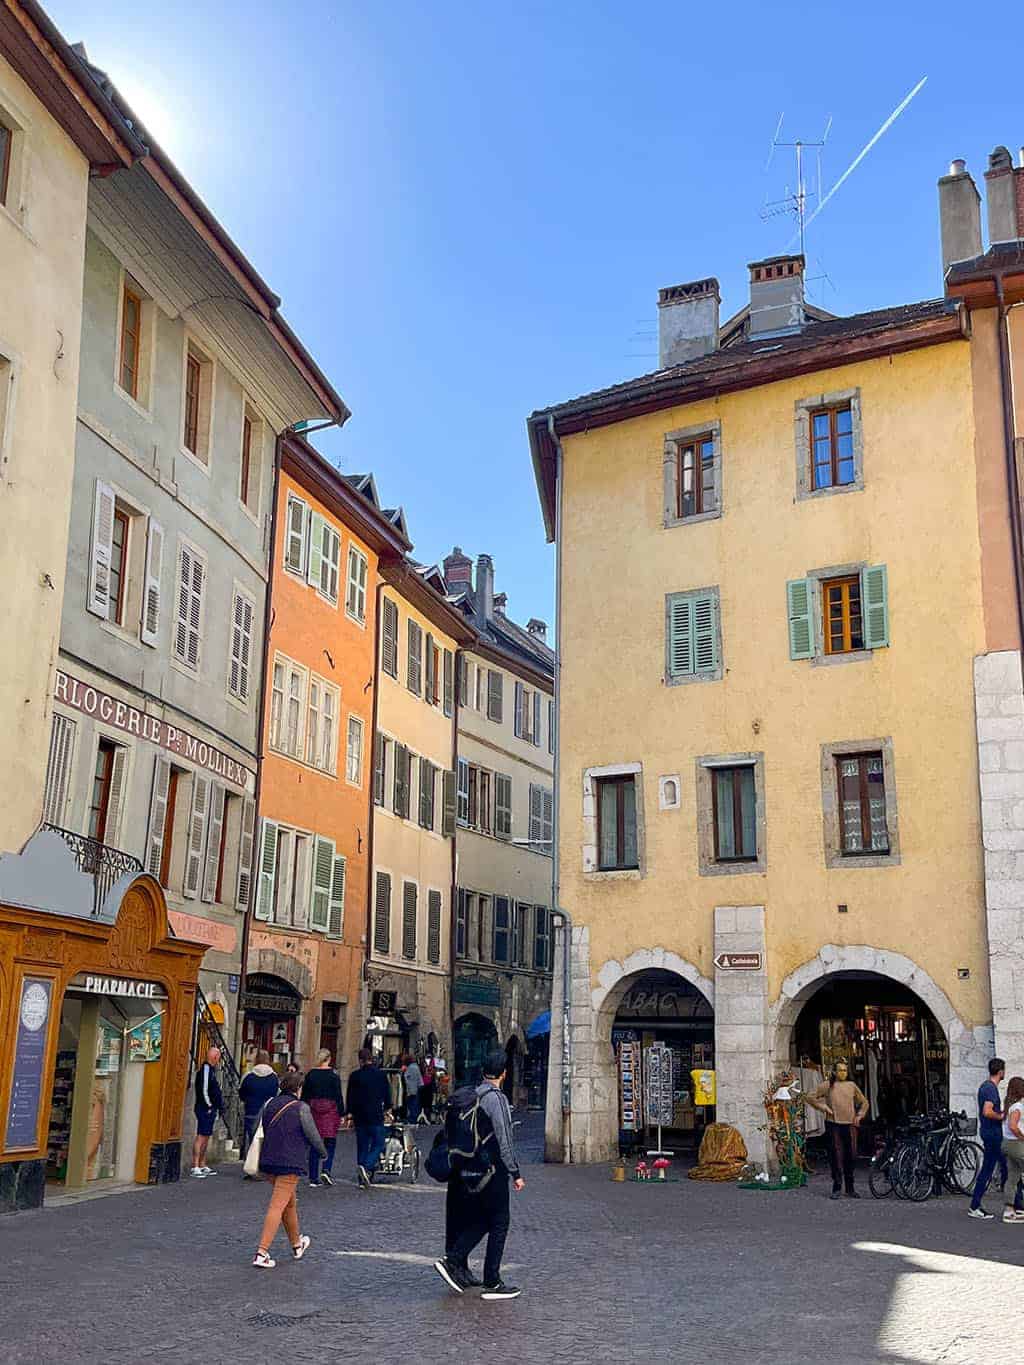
468,208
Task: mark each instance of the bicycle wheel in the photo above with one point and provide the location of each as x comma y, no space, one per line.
880,1181
913,1173
963,1161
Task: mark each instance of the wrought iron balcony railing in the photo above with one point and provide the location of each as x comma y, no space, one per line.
103,863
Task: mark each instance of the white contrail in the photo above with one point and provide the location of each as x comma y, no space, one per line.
863,153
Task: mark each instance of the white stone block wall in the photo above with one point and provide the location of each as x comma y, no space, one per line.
741,1026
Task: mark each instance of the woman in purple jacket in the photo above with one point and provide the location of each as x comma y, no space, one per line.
288,1134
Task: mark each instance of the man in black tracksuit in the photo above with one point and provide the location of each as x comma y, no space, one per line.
472,1215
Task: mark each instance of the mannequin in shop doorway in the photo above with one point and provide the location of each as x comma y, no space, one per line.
843,1103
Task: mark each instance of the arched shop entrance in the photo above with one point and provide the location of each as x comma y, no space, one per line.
474,1037
271,1007
897,1050
659,1006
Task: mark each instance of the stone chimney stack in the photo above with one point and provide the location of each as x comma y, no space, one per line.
1004,190
687,322
776,296
484,589
458,570
538,629
959,215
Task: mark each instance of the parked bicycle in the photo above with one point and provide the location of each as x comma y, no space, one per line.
925,1155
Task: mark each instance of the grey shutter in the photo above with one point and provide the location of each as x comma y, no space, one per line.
403,768
317,526
448,805
379,764
267,870
430,688
150,632
197,821
705,634
434,926
213,843
680,637
536,812
410,896
500,934
463,680
536,719
798,609
295,547
414,672
551,727
502,805
98,598
320,893
462,792
115,799
519,717
336,918
58,770
547,820
389,638
157,816
240,662
245,852
874,591
494,695
382,914
426,794
449,682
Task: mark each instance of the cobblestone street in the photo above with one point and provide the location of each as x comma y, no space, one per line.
681,1273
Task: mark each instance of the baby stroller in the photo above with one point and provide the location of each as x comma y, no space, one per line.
401,1156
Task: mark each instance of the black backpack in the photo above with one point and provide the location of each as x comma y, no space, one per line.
462,1146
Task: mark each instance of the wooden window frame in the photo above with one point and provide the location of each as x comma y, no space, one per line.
619,782
245,471
124,519
832,411
866,850
695,444
129,295
193,385
737,811
845,583
105,749
166,847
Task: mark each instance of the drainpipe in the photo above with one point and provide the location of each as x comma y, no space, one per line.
1012,480
556,792
373,807
453,894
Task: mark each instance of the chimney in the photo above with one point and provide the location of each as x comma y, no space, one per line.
687,322
1004,190
538,629
484,589
458,569
776,296
959,215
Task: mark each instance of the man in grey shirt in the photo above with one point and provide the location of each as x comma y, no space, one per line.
485,1212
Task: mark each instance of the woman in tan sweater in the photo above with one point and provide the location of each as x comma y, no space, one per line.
843,1104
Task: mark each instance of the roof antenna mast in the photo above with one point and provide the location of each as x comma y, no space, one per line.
795,201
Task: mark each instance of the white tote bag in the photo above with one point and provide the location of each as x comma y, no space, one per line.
251,1165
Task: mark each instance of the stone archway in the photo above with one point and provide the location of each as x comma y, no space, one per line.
614,977
969,1047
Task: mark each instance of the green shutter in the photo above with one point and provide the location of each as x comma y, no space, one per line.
798,604
337,909
705,633
874,590
320,892
316,549
680,637
268,870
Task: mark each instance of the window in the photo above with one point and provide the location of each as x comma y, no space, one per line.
449,682
410,896
693,648
313,738
502,805
520,921
118,567
448,804
434,927
414,680
389,638
696,477
191,590
616,823
483,813
431,658
162,806
246,846
324,557
293,714
355,596
692,475
382,914
198,403
99,800
461,923
354,751
838,612
243,613
326,758
195,836
6,141
380,767
296,535
495,683
216,845
402,781
541,938
287,705
428,775
521,721
735,815
863,826
842,619
501,941
832,447
464,688
250,461
131,340
542,819
462,792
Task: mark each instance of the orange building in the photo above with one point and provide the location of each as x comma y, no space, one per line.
307,942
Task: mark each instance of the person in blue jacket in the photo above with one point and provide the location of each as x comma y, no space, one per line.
258,1086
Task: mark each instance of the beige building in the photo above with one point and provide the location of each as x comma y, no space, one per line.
56,127
413,843
501,989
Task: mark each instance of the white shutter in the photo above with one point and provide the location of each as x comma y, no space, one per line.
316,549
536,812
320,898
462,793
547,820
519,721
283,908
157,816
213,843
58,770
295,547
303,880
196,834
244,882
115,798
191,585
98,601
267,870
336,914
151,595
332,545
239,665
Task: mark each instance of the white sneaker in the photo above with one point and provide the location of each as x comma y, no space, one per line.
207,1170
979,1213
300,1250
197,1173
263,1260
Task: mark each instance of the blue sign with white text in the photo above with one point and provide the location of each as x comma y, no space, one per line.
29,1056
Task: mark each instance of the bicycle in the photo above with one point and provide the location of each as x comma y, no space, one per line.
881,1180
935,1155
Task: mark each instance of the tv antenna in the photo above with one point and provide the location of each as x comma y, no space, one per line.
795,201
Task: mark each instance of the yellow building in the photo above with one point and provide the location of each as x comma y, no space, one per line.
56,127
771,597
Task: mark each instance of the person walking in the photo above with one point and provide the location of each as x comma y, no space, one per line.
367,1099
844,1105
475,1213
1013,1149
288,1134
428,1090
321,1089
259,1084
413,1086
990,1129
209,1102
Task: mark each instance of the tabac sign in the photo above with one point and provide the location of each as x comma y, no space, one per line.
112,711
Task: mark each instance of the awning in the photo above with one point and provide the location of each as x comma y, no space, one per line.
540,1025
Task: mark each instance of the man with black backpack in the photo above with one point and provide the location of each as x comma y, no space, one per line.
482,1156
